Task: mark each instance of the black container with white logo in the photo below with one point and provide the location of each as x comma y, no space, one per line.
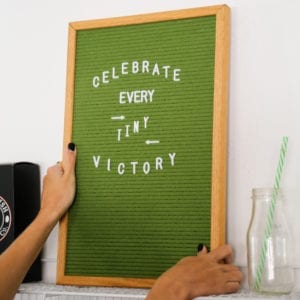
19,205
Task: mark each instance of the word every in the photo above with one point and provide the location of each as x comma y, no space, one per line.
133,167
135,67
142,96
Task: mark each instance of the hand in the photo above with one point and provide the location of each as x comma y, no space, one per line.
201,275
59,186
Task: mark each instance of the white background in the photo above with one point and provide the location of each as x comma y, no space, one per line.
264,100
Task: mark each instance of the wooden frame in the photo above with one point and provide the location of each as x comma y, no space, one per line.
219,135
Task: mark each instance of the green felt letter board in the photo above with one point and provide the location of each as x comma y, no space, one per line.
146,106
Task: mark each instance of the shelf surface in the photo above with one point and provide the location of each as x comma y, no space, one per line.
36,291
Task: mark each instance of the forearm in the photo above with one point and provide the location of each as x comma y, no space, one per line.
17,259
163,293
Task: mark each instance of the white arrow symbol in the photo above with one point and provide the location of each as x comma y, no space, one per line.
151,142
118,118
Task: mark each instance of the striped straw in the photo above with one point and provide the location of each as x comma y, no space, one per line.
270,215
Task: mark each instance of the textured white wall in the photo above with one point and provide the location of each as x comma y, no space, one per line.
264,94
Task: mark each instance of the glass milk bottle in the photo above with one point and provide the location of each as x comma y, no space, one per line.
270,258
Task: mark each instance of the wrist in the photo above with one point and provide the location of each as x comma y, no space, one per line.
168,289
48,218
178,290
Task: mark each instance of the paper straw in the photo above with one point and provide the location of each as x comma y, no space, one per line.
270,215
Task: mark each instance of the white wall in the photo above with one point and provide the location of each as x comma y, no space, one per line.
264,94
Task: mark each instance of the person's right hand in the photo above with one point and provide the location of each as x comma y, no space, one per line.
205,274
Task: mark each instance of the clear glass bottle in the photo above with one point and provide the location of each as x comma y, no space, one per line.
270,256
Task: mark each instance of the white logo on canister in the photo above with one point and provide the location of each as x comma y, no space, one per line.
5,218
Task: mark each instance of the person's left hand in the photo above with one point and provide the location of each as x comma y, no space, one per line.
59,186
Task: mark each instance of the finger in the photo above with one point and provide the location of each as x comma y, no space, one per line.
69,158
201,249
232,269
222,254
233,274
54,171
232,286
237,275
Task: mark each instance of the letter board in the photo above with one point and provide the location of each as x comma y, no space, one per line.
146,105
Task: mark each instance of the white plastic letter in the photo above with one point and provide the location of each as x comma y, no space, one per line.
136,126
172,158
108,164
135,67
121,168
158,163
119,134
105,78
145,66
124,67
134,164
176,74
96,82
96,160
146,167
146,121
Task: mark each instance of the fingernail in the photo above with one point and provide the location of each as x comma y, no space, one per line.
71,146
200,247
